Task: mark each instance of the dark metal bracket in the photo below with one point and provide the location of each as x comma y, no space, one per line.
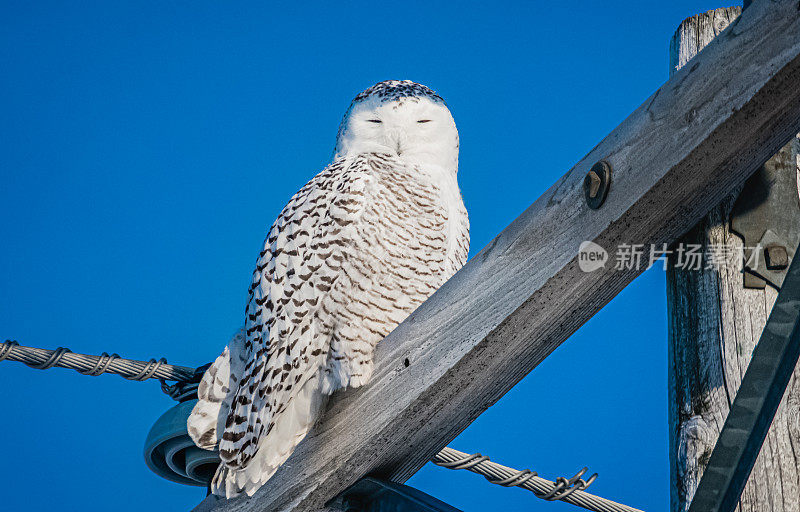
373,495
756,403
766,216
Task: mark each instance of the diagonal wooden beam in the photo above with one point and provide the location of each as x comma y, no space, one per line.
695,139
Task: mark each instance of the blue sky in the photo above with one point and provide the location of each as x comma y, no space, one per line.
146,147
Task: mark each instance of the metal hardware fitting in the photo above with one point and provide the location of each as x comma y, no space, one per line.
756,402
596,184
766,216
373,495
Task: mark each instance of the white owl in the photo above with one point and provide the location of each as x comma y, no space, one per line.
355,251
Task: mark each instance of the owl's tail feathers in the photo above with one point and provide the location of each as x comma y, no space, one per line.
215,394
291,426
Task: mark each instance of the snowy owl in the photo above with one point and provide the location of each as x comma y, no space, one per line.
355,251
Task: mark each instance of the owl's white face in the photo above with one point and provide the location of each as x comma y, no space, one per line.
416,129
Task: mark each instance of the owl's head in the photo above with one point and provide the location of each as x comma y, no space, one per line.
402,118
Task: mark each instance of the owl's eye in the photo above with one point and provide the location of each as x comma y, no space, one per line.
424,121
374,120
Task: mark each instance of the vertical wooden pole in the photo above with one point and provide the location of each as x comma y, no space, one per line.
714,324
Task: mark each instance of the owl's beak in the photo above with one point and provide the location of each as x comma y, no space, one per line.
396,136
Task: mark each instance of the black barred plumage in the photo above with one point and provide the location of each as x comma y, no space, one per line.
352,254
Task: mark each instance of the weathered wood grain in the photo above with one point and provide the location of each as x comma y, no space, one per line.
693,141
714,324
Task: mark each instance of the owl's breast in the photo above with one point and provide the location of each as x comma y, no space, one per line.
406,242
408,225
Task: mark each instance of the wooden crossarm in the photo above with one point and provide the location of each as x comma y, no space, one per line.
688,145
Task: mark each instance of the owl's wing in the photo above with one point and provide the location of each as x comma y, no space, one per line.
273,395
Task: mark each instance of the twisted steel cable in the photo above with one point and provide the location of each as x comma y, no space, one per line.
62,357
568,490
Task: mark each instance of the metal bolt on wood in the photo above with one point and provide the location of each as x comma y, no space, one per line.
596,184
